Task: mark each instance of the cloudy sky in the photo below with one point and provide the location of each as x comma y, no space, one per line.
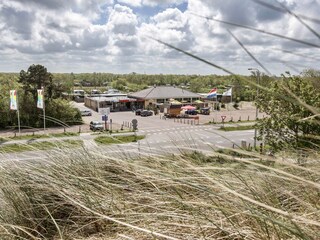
114,35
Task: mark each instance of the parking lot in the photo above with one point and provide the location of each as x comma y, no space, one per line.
124,119
159,121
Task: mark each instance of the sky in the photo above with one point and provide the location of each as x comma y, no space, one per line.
117,36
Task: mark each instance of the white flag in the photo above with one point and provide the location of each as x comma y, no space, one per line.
228,93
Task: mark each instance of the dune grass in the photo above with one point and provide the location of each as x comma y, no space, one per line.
11,148
118,139
38,136
237,128
189,196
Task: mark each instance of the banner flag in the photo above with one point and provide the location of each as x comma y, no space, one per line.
13,100
212,93
40,98
228,93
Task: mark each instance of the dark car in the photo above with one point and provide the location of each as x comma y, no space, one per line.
96,126
138,111
191,112
146,113
86,113
205,111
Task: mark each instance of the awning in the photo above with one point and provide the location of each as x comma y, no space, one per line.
188,107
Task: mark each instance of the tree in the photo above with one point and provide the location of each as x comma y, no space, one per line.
289,123
35,78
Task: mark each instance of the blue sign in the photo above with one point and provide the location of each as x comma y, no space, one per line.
105,118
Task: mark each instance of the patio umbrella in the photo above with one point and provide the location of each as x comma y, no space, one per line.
188,107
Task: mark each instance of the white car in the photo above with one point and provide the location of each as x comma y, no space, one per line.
96,126
86,113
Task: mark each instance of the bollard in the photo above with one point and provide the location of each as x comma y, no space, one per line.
248,118
261,148
79,129
64,130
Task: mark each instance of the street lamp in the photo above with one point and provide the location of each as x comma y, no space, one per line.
258,82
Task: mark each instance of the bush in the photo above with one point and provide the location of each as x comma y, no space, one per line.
61,111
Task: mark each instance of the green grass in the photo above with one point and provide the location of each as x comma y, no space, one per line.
11,148
228,122
39,136
237,128
118,139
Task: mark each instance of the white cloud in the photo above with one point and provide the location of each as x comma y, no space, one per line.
71,35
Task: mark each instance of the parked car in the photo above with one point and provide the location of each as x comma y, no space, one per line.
96,126
205,111
86,113
191,112
138,111
146,113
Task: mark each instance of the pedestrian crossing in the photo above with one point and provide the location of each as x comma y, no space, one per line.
176,130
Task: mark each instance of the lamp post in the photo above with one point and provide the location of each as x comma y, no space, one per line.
257,94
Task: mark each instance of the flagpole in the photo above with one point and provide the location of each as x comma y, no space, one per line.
44,112
18,113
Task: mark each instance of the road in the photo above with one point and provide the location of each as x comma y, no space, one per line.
162,137
158,141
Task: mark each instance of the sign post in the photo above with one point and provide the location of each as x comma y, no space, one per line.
223,118
105,119
134,124
105,113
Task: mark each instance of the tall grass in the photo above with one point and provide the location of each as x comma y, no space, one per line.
188,196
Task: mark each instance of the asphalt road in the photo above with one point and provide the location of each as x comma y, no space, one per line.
162,137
